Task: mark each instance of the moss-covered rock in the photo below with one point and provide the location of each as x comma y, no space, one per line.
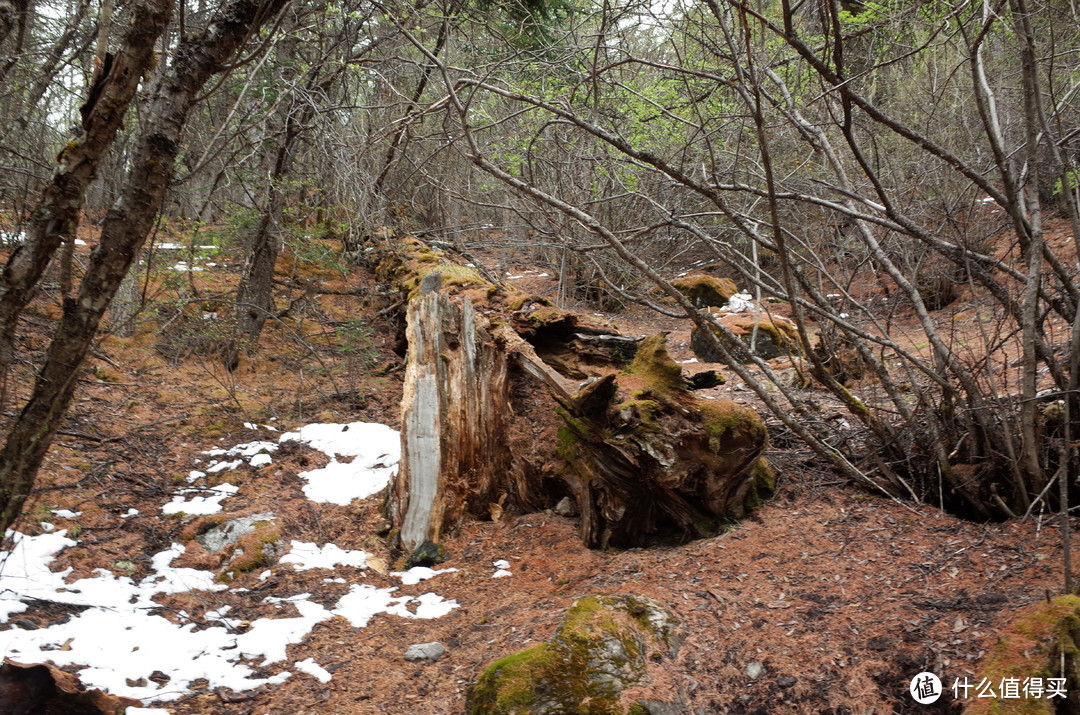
604,645
776,336
706,290
1040,638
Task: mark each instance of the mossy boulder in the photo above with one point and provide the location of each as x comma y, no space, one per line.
776,336
705,290
1040,638
604,645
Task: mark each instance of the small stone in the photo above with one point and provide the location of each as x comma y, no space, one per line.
755,670
427,554
424,651
786,681
25,623
566,507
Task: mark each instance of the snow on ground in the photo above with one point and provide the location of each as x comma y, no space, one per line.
375,449
305,556
502,568
117,634
200,504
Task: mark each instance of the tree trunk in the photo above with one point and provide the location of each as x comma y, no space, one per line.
56,214
126,227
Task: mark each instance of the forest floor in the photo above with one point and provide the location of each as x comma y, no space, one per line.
841,596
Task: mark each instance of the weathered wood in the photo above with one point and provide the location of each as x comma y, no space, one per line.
453,419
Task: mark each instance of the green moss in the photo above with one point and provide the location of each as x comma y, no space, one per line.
253,545
566,446
1032,647
598,650
764,483
653,365
724,416
508,684
521,298
644,410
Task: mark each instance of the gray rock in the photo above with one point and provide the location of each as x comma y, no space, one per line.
566,507
786,681
227,534
655,707
424,651
755,670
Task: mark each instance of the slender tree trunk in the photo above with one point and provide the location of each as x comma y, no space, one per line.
126,227
56,214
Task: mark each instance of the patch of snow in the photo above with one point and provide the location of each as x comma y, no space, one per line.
183,267
376,450
80,242
194,475
66,513
338,483
224,466
313,669
120,642
265,575
129,513
200,505
247,449
542,275
47,526
502,567
260,460
419,573
305,556
513,278
364,601
739,303
688,362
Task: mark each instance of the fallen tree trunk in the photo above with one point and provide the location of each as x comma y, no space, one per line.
511,404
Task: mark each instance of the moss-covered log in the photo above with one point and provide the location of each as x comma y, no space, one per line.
511,404
649,461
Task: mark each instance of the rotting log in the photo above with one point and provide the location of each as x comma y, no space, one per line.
511,404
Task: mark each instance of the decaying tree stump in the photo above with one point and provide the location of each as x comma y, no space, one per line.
511,404
454,410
